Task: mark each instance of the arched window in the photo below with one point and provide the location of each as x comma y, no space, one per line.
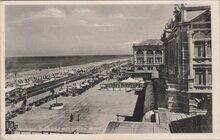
199,44
140,57
199,36
202,44
158,57
150,57
199,48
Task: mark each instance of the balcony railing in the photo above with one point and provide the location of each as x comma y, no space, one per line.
171,86
148,64
200,89
203,87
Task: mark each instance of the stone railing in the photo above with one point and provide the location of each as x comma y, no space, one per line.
171,86
202,87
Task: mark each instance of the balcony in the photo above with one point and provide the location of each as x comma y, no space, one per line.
201,89
171,87
202,60
147,64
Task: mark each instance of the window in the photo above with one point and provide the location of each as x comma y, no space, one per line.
209,49
140,57
209,77
200,76
200,49
150,68
140,68
158,57
150,57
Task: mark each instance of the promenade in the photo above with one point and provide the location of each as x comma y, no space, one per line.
95,112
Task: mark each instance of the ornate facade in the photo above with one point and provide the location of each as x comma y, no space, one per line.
148,56
187,41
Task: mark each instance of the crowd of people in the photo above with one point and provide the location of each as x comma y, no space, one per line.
44,77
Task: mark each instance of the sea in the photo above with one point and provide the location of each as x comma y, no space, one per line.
18,64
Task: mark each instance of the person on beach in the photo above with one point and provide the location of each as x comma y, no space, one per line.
117,116
71,117
78,119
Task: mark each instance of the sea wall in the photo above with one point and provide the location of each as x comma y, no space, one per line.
149,104
159,90
150,100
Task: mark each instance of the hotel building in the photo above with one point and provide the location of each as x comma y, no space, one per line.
147,57
188,62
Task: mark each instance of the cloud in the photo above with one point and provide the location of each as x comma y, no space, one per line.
118,15
128,43
83,11
101,25
50,12
86,24
122,16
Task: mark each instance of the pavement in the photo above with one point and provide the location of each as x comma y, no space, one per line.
95,107
39,96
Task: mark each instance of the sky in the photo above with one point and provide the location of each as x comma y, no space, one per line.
58,30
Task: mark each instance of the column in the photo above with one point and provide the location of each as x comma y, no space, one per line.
145,56
135,56
154,57
206,76
191,53
206,49
192,83
162,58
194,72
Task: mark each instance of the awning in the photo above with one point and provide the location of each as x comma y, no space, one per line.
130,80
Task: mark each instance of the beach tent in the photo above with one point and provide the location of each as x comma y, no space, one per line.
82,85
91,81
78,87
22,84
96,79
86,83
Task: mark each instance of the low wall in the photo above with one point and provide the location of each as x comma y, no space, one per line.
195,124
160,93
149,100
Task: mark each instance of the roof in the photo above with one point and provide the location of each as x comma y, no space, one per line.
130,80
196,6
136,127
193,14
195,10
153,42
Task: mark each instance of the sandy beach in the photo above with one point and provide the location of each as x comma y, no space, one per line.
25,74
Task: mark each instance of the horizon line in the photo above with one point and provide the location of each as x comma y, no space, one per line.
70,55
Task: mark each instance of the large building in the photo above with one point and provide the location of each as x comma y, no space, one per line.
187,41
148,56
